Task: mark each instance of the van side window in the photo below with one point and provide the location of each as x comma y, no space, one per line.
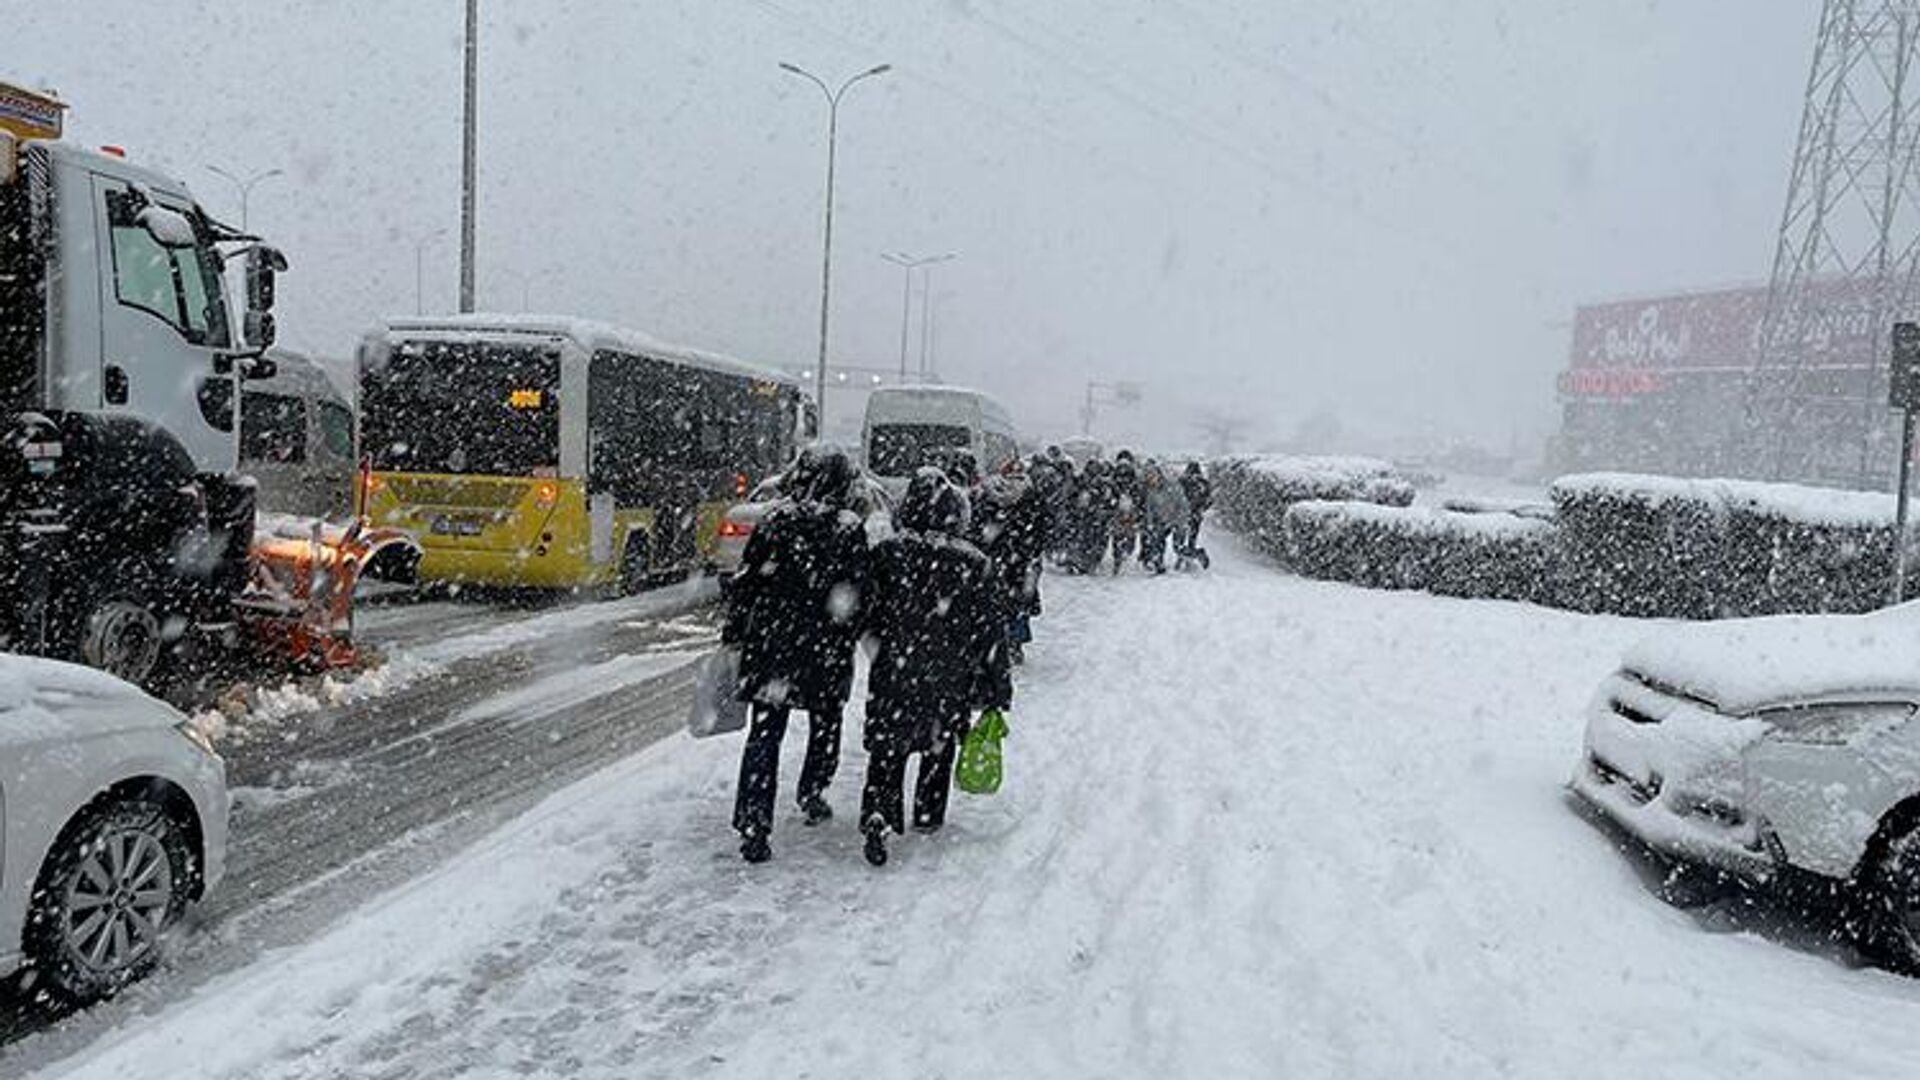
273,428
336,430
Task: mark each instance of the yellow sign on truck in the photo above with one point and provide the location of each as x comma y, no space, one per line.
27,114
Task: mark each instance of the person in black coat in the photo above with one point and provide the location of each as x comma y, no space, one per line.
933,605
1092,514
1129,507
794,613
1199,491
1010,528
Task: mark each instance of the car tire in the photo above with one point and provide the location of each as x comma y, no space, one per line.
1886,901
121,634
117,879
636,569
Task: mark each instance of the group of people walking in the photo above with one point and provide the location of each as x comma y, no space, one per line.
947,598
1108,513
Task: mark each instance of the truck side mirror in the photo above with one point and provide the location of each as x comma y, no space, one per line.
169,228
263,263
259,331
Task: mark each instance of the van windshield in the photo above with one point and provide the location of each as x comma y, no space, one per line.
899,449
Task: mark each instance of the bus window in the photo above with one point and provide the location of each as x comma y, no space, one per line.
273,428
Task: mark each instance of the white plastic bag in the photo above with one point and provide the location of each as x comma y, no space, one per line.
715,710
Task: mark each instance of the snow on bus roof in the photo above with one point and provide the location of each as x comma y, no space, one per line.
592,334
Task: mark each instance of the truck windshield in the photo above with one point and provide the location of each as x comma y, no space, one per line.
899,449
463,407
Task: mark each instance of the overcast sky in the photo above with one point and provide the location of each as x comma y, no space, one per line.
1257,208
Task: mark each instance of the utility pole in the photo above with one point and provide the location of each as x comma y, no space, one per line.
910,264
826,244
244,187
469,156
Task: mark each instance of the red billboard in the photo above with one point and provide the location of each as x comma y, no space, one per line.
1624,347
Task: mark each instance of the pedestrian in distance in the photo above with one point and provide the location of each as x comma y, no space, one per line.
1128,506
1010,528
933,607
1165,519
1092,516
1199,492
794,613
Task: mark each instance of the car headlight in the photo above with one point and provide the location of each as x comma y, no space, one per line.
1835,725
197,735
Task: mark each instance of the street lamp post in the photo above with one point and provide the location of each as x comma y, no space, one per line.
419,269
826,248
469,154
244,187
910,264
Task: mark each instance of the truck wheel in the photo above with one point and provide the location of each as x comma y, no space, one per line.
116,880
122,637
636,570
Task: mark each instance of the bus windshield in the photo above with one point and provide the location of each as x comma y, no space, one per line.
463,407
899,449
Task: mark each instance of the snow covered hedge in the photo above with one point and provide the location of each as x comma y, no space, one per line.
1493,555
1252,494
1618,543
1656,545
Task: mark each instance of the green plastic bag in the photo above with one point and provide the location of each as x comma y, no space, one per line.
980,769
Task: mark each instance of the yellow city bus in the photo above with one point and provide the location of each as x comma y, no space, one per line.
560,453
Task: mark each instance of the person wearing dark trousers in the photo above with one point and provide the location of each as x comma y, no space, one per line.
934,607
1010,529
794,613
1199,492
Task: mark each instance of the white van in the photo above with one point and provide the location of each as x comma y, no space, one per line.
908,427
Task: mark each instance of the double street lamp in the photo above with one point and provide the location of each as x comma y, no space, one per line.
244,187
910,264
826,255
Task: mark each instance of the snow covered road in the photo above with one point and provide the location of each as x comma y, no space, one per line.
1254,826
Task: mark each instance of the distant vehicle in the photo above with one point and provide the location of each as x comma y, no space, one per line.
560,453
737,526
297,440
113,816
908,427
1081,450
1773,746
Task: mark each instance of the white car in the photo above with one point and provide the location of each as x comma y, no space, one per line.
1767,746
113,817
738,523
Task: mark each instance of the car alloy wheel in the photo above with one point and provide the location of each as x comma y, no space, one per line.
117,903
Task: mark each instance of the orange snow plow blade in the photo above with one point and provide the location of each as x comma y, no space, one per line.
299,599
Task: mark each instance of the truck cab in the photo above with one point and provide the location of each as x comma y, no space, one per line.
123,519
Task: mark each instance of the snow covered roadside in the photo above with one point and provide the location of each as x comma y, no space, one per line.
1254,826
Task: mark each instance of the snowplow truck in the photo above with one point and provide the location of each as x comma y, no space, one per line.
125,525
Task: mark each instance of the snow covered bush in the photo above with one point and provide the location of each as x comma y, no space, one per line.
1252,494
1656,545
1639,545
1483,555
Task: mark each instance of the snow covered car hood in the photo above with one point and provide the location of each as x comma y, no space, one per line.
50,701
1742,665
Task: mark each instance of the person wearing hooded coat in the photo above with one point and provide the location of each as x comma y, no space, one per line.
1128,508
932,604
794,612
1010,529
1092,515
1199,492
1165,518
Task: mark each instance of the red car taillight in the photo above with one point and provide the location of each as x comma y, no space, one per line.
731,528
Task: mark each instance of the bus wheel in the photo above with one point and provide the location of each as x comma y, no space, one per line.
636,568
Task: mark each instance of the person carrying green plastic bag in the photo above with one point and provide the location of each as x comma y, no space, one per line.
981,766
